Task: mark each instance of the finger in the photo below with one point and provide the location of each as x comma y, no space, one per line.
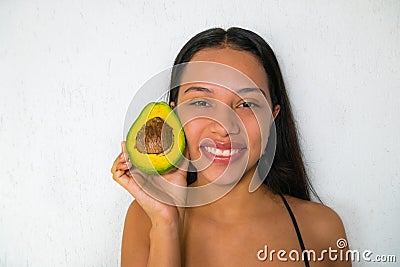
120,164
124,157
129,183
116,161
123,166
123,146
118,174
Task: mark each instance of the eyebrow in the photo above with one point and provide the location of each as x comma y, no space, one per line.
198,89
210,91
250,90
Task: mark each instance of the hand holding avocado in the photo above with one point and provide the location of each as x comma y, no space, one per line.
130,177
155,143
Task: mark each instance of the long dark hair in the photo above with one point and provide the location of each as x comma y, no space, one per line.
287,174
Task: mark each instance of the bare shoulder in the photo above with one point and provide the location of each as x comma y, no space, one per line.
320,224
136,237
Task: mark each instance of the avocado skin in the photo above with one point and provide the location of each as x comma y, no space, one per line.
156,163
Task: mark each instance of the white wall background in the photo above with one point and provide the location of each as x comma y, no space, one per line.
69,68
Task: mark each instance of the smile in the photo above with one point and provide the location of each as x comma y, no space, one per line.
221,152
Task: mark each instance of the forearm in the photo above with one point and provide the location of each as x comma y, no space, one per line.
164,246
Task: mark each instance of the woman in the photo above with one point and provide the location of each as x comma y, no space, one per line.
241,228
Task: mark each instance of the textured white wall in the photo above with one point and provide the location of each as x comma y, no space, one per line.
68,70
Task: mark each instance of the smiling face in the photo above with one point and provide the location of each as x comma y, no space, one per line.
225,110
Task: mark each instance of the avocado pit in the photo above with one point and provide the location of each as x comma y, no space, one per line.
154,137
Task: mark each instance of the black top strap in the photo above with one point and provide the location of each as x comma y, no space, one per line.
296,227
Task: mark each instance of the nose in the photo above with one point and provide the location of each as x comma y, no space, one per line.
225,123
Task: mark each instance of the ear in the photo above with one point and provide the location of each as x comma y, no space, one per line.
172,104
275,113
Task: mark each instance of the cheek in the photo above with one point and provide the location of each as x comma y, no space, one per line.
255,138
193,130
258,129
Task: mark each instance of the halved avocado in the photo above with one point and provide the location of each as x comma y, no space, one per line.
155,141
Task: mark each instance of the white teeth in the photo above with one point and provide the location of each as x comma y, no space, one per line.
226,153
221,152
212,150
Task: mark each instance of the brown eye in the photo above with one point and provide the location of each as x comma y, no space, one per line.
248,105
200,103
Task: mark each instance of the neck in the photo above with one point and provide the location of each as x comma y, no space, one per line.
239,203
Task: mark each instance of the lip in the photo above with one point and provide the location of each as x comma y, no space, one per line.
236,148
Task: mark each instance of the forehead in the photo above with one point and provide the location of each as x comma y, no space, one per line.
243,69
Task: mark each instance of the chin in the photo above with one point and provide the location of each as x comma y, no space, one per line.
223,175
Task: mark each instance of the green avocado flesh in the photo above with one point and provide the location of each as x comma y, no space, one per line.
155,141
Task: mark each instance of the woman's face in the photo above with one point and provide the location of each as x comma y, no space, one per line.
226,115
